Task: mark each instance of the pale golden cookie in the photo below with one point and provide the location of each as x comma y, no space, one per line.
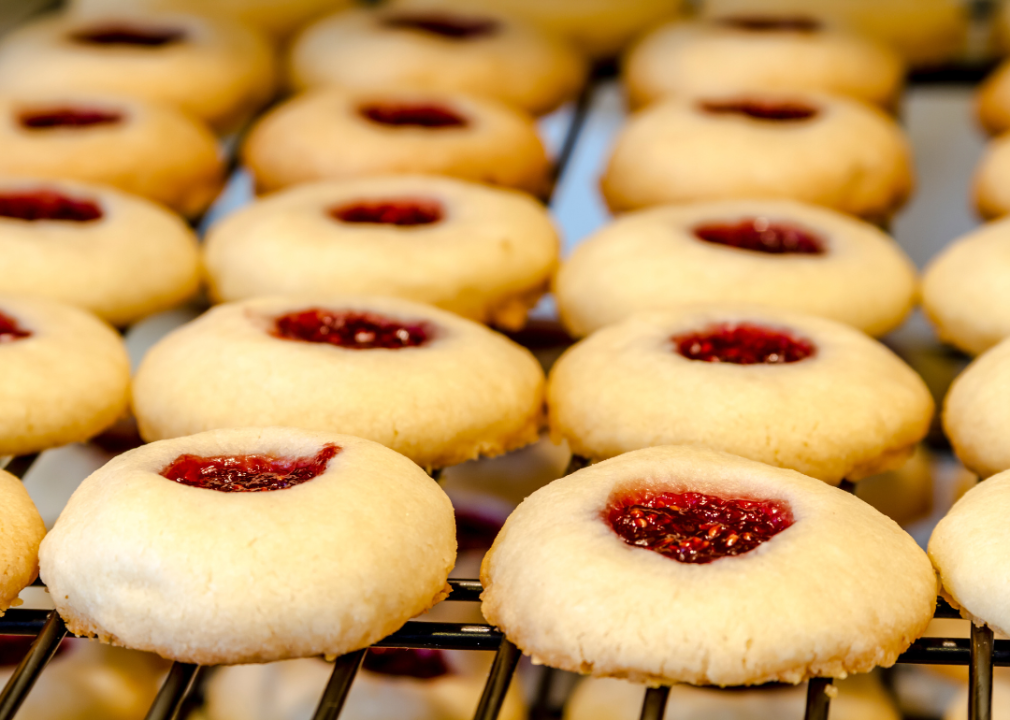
319,544
144,148
976,412
120,256
216,70
484,253
777,253
21,531
993,101
572,593
64,375
991,178
746,54
429,384
966,289
779,387
334,134
476,51
815,148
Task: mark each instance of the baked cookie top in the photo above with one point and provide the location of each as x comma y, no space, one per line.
21,531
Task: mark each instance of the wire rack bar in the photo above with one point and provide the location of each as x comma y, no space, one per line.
28,670
181,679
980,673
498,681
818,700
654,704
465,590
345,668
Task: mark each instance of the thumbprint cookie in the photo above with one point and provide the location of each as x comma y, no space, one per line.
991,198
21,531
976,412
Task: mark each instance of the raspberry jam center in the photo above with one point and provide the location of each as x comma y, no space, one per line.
403,212
696,528
248,473
10,330
444,25
760,235
770,23
47,205
351,329
761,109
423,664
67,117
420,115
743,344
123,34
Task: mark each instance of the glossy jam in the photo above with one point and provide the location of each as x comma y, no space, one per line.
403,212
446,25
420,115
131,35
761,109
475,531
34,205
743,344
758,234
248,473
422,663
771,23
10,331
351,329
693,527
67,117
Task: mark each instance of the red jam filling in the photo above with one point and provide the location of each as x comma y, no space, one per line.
410,115
421,663
743,344
248,473
47,205
10,330
403,212
68,117
351,329
475,531
761,109
124,34
770,23
693,527
444,25
760,235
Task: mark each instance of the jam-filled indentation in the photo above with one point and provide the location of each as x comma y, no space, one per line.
10,330
743,344
351,329
420,663
443,24
418,115
32,205
67,117
248,473
768,110
403,212
772,23
131,35
692,527
759,234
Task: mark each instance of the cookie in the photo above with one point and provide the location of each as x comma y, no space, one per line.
191,547
783,388
429,384
777,253
214,69
677,564
21,531
739,54
143,148
120,256
976,412
990,197
484,253
480,52
64,375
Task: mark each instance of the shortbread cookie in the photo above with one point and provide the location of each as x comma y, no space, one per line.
480,52
335,134
966,289
21,531
786,389
64,375
484,253
991,178
429,384
993,101
144,148
217,70
754,53
250,545
905,494
117,255
821,149
976,412
777,253
678,564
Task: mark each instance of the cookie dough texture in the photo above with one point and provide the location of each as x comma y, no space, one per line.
322,135
851,410
201,576
652,260
570,593
489,259
137,259
849,156
219,71
966,289
976,412
467,392
65,383
21,531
